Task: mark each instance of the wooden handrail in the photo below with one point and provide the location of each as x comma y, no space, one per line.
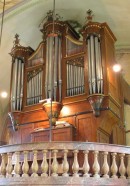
91,146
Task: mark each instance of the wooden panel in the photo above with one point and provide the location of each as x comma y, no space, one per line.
59,134
63,134
118,135
40,136
25,132
84,127
102,136
14,137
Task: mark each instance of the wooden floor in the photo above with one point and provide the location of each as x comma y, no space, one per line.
69,181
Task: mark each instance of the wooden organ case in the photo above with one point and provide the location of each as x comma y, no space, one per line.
77,75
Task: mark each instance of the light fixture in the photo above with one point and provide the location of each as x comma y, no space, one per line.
116,68
4,94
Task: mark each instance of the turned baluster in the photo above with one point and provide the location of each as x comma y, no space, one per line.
96,167
86,166
75,166
54,165
34,164
105,167
9,167
122,169
17,165
44,165
25,167
128,166
3,166
65,164
114,168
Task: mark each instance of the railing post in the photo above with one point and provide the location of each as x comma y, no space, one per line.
96,167
86,166
122,169
114,168
75,166
65,165
9,167
105,167
17,165
34,164
128,166
3,166
44,165
25,167
54,164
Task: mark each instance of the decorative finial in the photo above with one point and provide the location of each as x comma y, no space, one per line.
50,15
16,41
89,15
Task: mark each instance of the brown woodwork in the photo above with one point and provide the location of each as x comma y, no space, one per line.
108,127
58,134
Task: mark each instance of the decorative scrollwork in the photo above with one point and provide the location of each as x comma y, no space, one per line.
79,61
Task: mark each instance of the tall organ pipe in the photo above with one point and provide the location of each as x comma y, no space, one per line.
98,68
13,87
95,70
21,90
53,67
17,84
93,65
46,75
59,68
50,68
100,64
90,68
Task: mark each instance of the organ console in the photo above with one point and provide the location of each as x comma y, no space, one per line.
76,73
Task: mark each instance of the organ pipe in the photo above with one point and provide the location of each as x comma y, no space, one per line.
59,67
46,75
34,87
75,79
95,70
17,85
53,79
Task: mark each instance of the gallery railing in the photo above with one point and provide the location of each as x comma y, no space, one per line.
52,159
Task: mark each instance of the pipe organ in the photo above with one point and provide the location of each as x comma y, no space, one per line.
76,74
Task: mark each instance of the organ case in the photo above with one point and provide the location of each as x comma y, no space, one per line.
74,73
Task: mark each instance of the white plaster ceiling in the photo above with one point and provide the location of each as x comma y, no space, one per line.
25,16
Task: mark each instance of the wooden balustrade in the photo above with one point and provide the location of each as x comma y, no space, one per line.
40,159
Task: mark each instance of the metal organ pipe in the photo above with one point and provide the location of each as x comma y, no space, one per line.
17,85
95,70
21,91
101,68
13,86
90,68
53,67
50,69
93,65
98,69
46,75
59,68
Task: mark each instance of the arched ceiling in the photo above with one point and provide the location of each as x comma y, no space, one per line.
24,17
